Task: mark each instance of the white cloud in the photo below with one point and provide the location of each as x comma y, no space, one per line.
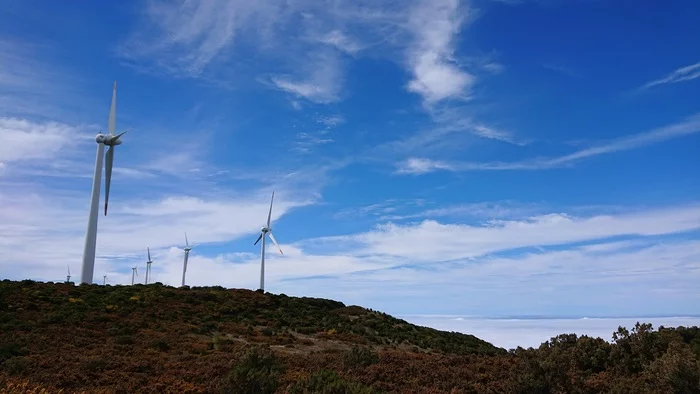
436,76
682,74
689,126
321,82
418,166
24,140
431,241
36,144
341,41
306,142
504,209
331,121
45,227
494,68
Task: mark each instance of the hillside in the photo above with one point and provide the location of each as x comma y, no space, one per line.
161,339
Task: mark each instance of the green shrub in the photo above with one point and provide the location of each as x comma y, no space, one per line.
328,382
360,357
9,350
258,372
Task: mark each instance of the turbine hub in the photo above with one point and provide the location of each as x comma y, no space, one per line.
264,230
112,141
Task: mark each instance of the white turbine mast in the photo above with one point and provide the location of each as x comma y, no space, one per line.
134,273
187,249
68,276
112,141
266,230
104,280
148,265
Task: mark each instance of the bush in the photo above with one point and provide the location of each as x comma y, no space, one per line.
258,372
328,382
160,345
9,350
360,357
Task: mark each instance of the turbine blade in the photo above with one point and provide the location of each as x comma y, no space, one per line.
69,270
108,174
137,271
269,214
272,237
112,124
186,241
116,137
258,240
149,253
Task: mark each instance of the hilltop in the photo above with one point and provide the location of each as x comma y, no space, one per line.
209,339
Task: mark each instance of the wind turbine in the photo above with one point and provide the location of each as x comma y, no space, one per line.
104,280
266,230
112,141
187,249
68,276
148,265
134,272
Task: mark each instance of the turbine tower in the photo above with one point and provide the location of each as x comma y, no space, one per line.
148,265
112,141
187,249
134,273
104,280
266,230
68,276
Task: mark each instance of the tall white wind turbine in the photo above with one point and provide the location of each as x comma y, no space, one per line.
112,141
104,280
68,276
148,266
187,249
134,273
266,230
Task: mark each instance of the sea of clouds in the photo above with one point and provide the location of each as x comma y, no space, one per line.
510,333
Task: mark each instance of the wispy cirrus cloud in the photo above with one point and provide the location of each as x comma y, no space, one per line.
184,38
682,74
691,125
562,69
194,38
320,80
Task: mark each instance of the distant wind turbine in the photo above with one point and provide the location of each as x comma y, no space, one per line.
68,276
112,141
148,265
266,230
187,249
104,280
134,273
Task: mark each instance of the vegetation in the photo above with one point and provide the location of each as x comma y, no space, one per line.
113,339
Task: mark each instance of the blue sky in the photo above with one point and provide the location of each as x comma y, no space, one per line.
488,158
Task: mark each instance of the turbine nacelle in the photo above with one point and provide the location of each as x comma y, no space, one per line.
264,230
109,140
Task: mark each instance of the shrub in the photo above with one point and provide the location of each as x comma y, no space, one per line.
328,382
9,350
160,345
258,372
360,357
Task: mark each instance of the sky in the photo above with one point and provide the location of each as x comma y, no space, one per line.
429,157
